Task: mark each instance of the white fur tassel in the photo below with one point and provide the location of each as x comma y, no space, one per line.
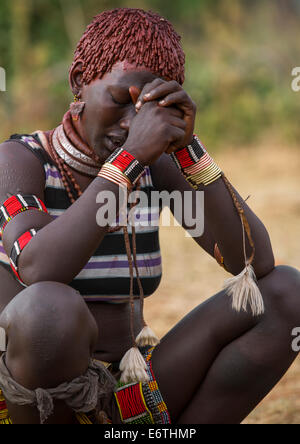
147,337
133,367
244,290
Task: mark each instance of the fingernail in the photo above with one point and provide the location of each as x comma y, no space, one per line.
162,102
138,104
147,95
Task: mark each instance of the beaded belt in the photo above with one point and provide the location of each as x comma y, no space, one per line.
4,417
142,403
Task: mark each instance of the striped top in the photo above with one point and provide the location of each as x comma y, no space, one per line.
106,276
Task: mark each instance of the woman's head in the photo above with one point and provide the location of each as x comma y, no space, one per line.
140,37
120,49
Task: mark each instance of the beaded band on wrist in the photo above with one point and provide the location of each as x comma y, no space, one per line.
189,155
18,204
113,174
127,164
196,164
122,168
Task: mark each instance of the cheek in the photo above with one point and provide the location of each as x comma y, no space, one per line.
98,118
101,115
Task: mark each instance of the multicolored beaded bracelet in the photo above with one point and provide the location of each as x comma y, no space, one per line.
196,164
18,204
113,174
121,161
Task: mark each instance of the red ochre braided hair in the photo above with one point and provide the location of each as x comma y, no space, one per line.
137,36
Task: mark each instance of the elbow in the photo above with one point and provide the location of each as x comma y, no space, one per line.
30,275
262,266
34,273
263,262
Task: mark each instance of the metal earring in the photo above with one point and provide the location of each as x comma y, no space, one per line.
76,108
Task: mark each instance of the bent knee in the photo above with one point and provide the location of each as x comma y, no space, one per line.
281,288
48,323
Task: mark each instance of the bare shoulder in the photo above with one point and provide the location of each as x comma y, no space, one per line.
20,171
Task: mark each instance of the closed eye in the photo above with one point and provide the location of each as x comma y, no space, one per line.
117,102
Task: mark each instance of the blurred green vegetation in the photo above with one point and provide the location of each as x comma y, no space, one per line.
240,55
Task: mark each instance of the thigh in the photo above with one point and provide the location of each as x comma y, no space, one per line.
187,352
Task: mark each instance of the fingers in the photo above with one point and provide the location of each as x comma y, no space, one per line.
155,90
167,94
163,90
168,111
181,99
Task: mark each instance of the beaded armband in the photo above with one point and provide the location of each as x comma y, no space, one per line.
17,248
18,204
122,168
196,164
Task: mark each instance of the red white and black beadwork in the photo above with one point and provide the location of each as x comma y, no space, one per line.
142,402
127,164
17,204
189,155
17,248
196,164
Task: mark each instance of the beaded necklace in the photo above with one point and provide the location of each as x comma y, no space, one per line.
69,150
66,174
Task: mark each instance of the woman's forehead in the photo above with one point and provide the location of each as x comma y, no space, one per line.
125,73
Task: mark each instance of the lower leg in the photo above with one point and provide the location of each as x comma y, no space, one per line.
247,369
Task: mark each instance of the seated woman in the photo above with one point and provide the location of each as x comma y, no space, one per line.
131,127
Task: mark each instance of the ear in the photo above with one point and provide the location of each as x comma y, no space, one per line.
134,93
75,77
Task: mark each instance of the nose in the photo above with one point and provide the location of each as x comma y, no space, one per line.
126,120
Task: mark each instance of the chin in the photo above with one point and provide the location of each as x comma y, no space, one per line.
103,156
102,151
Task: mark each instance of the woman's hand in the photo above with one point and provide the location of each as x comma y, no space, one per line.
171,94
153,130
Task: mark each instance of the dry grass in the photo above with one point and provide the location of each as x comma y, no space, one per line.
271,175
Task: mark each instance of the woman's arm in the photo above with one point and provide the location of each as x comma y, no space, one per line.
222,224
62,246
222,221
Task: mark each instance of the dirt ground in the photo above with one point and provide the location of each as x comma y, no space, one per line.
270,174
